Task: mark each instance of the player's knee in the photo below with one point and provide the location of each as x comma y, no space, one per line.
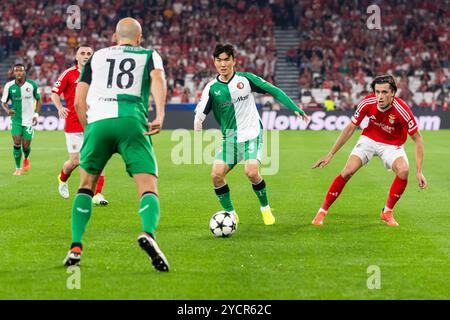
403,173
75,163
217,176
252,174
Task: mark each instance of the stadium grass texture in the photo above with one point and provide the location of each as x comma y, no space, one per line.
290,260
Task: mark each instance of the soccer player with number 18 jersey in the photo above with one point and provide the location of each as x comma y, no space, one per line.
66,85
390,121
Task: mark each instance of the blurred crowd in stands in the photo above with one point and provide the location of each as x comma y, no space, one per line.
337,55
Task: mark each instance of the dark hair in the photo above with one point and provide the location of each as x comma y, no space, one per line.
386,78
83,44
221,48
19,65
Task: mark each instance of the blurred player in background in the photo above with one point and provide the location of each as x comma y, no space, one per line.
230,98
390,121
66,85
115,83
26,104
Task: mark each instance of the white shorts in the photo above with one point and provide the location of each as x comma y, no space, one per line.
366,148
74,141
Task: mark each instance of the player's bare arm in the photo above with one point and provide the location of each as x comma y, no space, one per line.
62,111
159,91
341,140
417,138
38,109
80,103
9,111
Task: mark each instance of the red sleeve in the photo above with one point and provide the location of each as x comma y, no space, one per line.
413,127
361,110
407,114
60,84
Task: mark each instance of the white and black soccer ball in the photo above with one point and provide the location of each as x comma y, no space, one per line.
223,224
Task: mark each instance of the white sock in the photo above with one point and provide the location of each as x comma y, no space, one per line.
323,210
265,208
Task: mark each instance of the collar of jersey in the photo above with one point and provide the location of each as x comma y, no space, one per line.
384,110
218,78
21,84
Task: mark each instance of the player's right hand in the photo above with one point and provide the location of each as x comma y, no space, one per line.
322,162
198,126
63,112
11,112
154,127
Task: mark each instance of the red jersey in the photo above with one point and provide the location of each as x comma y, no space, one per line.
66,84
390,126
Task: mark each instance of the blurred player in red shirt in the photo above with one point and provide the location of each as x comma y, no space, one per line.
66,85
390,121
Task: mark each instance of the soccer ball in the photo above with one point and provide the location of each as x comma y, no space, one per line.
223,224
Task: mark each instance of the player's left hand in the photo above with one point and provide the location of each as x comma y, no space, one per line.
422,181
154,126
303,117
35,119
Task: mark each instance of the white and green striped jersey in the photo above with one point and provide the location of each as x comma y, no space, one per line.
234,107
23,99
119,79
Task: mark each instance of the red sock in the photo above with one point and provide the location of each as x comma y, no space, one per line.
100,182
334,191
396,191
64,177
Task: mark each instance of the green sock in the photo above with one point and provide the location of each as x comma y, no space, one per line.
81,212
26,152
261,193
224,196
149,212
17,152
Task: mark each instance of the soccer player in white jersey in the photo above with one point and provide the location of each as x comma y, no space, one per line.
390,121
25,97
111,101
230,98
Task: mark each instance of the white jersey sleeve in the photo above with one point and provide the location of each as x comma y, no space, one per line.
204,106
5,96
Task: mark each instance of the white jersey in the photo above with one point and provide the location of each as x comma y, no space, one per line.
23,99
119,79
234,107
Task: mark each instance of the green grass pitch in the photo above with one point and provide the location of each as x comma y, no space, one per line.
290,260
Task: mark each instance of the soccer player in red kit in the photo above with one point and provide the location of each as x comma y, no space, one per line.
66,85
390,121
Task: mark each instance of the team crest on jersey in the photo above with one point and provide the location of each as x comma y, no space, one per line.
240,85
391,118
27,89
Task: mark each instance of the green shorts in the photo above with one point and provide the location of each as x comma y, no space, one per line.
125,136
25,131
233,152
